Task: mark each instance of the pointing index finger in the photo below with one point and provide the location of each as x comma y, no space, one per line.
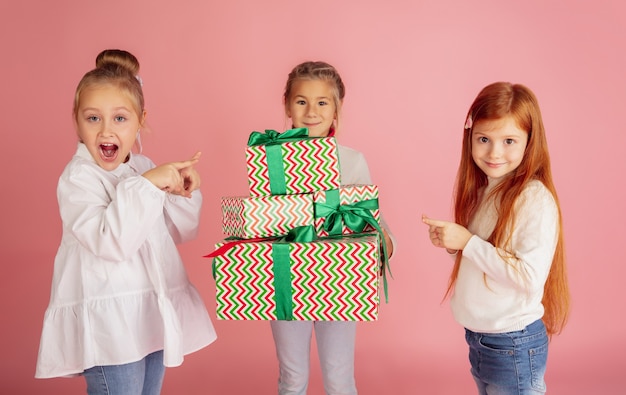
189,162
432,222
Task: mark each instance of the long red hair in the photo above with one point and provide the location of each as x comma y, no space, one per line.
496,101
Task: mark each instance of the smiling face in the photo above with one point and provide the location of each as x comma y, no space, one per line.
107,123
311,105
498,146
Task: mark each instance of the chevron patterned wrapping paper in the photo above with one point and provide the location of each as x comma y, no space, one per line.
265,216
300,166
347,195
333,279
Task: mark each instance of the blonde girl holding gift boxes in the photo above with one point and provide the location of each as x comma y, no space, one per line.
313,97
509,286
121,306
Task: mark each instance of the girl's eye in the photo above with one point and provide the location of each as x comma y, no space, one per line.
323,103
509,141
120,118
300,102
483,139
93,118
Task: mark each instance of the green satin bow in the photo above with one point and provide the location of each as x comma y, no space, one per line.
270,137
355,216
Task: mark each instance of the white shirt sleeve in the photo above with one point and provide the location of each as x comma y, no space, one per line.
354,170
182,216
110,222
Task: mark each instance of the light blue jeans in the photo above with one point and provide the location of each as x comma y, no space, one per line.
144,377
512,363
335,348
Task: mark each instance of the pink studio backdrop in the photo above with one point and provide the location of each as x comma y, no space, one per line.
214,72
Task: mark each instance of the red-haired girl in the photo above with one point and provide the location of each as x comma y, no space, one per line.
508,285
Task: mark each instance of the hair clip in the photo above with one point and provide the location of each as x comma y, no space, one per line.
140,80
468,122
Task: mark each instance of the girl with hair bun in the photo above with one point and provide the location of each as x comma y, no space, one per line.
121,307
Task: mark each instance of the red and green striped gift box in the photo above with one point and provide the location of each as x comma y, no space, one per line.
275,215
291,163
332,279
265,216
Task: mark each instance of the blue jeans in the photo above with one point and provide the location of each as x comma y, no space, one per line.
144,377
512,363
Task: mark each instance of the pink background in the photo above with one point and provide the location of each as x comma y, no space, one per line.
215,71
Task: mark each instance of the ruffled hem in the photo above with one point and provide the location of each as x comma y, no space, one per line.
123,329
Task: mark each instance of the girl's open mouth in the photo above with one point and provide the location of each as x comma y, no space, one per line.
108,151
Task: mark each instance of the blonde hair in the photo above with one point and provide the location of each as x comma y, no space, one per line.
317,71
115,67
496,101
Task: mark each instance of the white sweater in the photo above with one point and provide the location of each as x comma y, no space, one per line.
355,170
119,289
491,295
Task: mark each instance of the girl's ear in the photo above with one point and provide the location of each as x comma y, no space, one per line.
76,128
287,112
337,107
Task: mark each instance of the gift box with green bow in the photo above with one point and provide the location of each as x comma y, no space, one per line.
349,209
328,279
291,163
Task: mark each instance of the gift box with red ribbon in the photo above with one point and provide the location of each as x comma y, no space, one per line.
328,279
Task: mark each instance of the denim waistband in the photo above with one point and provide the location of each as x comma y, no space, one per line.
529,333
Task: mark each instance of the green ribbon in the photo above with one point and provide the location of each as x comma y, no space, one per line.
301,234
273,150
272,137
355,216
282,281
282,268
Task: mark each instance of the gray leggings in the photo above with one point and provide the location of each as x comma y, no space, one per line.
335,347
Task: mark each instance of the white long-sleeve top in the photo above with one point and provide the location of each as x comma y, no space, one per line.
353,166
119,289
354,170
491,295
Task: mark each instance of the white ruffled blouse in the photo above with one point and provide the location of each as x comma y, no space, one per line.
119,288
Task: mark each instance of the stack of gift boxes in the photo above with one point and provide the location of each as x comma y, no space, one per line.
300,246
